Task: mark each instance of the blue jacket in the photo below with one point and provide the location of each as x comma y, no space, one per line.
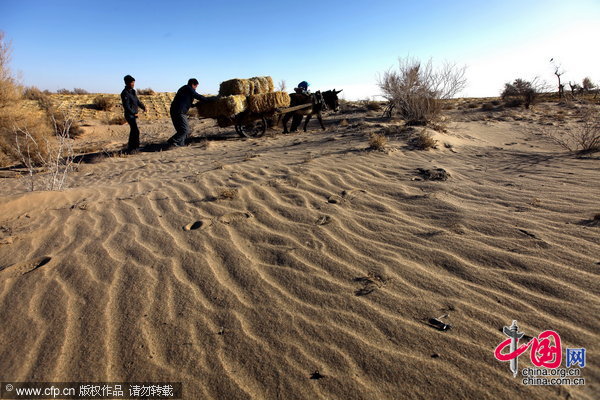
183,99
131,102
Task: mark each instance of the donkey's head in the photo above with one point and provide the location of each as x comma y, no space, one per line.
331,99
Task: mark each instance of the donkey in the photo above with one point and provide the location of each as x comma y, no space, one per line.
320,102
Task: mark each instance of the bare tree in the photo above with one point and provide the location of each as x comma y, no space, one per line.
281,86
575,88
5,50
558,71
9,90
415,90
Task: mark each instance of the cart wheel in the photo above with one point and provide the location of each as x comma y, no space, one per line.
253,129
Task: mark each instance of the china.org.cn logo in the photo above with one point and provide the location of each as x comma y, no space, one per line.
545,354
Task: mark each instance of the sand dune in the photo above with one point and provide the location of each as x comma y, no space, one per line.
327,262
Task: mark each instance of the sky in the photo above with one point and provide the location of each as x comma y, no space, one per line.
331,44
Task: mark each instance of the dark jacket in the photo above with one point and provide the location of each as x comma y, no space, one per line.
183,99
131,102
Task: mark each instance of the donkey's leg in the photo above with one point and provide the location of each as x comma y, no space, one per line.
320,118
295,122
286,118
306,121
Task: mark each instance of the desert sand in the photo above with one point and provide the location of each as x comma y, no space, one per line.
305,266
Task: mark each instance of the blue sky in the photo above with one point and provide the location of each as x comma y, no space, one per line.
341,44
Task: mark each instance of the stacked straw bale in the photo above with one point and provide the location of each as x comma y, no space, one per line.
214,106
247,87
234,87
262,84
258,103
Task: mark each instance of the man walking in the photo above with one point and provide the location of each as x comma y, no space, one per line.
179,108
130,108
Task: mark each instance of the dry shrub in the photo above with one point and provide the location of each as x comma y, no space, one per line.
487,107
103,103
23,131
585,137
424,141
12,119
416,90
80,91
513,103
33,93
9,90
36,139
525,91
146,92
61,120
48,162
377,141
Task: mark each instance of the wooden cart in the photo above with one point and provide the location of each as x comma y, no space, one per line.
249,124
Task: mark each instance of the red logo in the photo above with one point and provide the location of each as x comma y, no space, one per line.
545,350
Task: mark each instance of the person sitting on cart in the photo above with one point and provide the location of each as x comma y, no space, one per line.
303,88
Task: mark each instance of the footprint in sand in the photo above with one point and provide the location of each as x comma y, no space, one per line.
323,220
345,195
352,193
334,199
369,284
23,267
203,223
234,217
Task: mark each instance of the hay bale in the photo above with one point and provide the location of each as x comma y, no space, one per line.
235,87
208,108
234,104
262,84
256,85
213,106
265,102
